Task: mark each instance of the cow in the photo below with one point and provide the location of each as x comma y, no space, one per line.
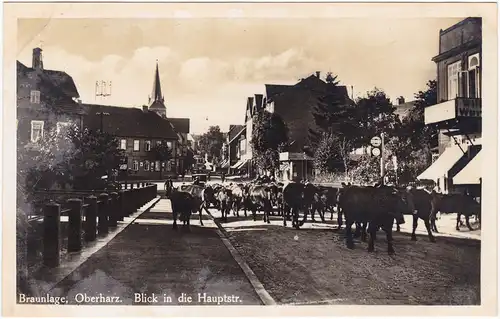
238,198
419,201
454,203
293,202
224,197
375,206
182,207
200,198
259,198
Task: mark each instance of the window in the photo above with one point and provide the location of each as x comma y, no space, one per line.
169,144
136,145
152,166
36,131
157,166
141,164
61,126
123,144
135,165
158,143
453,71
474,77
147,146
169,166
35,97
146,165
243,144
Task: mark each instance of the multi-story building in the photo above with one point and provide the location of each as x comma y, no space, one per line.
295,104
457,115
46,100
233,147
138,131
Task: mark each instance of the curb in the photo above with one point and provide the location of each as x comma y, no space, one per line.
264,296
69,266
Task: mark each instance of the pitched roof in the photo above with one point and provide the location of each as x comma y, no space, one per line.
59,79
275,89
235,130
127,121
181,124
237,134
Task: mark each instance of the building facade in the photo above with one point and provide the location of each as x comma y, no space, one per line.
457,115
46,100
295,104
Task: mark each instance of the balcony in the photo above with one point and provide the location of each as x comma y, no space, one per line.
455,114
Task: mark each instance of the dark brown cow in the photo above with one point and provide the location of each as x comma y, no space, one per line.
454,203
201,197
419,202
182,207
293,203
377,206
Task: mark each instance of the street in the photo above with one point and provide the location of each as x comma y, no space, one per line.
150,263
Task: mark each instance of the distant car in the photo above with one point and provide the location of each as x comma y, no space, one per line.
201,177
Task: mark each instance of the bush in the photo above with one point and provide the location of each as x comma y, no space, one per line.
329,178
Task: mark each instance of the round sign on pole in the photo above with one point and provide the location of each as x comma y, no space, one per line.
376,141
375,151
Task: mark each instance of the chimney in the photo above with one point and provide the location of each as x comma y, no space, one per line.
400,100
318,73
144,108
37,62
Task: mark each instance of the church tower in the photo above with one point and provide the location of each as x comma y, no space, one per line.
156,100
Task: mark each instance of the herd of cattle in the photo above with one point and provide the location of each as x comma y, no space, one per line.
368,207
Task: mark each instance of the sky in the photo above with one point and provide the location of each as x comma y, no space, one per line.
209,66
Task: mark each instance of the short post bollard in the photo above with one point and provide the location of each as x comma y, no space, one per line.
75,225
120,206
102,214
90,225
113,212
126,203
51,235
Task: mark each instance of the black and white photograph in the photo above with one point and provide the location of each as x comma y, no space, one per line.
224,155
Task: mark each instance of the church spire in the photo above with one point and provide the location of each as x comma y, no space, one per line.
156,100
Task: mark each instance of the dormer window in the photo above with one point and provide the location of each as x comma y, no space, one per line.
35,97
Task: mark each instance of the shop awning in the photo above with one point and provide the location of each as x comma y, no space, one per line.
238,164
242,164
284,166
471,172
224,163
443,164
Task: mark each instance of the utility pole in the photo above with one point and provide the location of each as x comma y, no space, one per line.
382,151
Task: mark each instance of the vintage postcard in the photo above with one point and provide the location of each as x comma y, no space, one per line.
257,159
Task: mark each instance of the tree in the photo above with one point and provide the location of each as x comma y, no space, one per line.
95,154
162,153
269,137
210,143
412,140
335,134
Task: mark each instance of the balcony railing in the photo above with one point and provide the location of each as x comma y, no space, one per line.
453,109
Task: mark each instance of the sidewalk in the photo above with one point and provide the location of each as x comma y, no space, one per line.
149,257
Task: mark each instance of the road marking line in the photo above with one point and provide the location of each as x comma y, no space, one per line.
254,281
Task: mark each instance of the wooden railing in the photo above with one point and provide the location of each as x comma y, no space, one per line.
90,214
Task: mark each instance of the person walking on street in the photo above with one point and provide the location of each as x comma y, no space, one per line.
222,177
